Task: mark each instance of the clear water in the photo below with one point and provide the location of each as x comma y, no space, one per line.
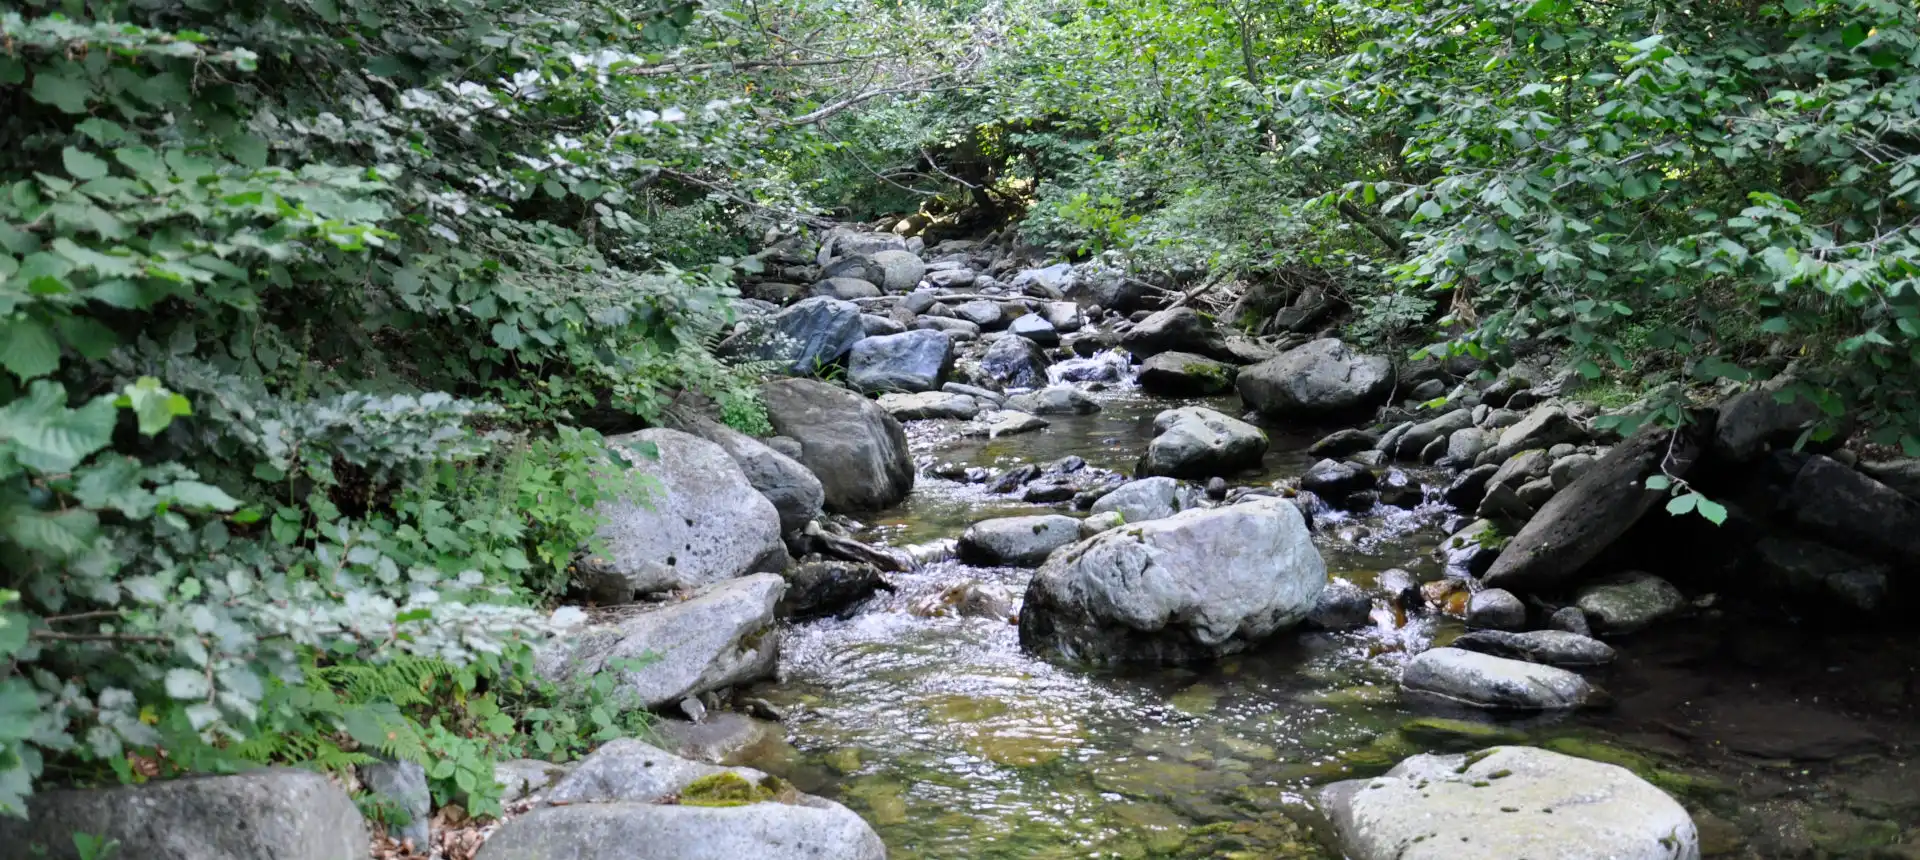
954,743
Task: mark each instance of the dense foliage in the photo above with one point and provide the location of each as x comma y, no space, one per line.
306,310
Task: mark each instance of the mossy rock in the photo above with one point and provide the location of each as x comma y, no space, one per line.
1676,783
1445,735
732,789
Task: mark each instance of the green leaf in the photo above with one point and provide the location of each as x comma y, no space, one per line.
49,437
1715,512
68,94
153,404
198,495
27,348
508,335
82,165
187,684
61,535
1683,504
1852,36
1658,482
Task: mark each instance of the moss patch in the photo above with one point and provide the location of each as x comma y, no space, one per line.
732,789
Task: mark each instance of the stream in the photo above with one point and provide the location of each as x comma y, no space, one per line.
954,743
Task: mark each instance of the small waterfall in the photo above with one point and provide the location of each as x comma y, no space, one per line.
1108,365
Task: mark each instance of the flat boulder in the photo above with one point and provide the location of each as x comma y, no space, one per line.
930,404
1196,442
1508,803
1183,374
1149,499
853,446
1628,602
698,521
1551,647
721,636
802,339
846,288
283,813
987,315
1496,683
1323,377
1017,541
1542,428
1193,586
1588,515
1036,328
1054,400
917,360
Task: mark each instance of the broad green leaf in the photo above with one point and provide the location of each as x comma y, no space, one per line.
198,495
1658,482
187,684
68,94
1853,35
1683,503
153,404
1712,510
27,348
49,437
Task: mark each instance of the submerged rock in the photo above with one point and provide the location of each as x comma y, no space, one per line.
700,522
1508,803
1628,602
282,813
1017,541
720,637
1196,442
1486,681
1192,586
817,589
853,446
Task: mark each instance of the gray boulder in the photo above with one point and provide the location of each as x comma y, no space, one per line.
1149,499
1007,422
958,329
700,522
910,361
1339,443
1196,442
1017,541
876,325
1175,330
1542,428
1340,606
1628,602
951,279
1063,316
1323,377
845,288
795,493
1464,445
1015,362
1054,400
814,830
1035,328
1113,289
930,404
847,243
853,446
1570,468
1496,609
720,637
1849,509
1508,803
281,813
522,777
1183,374
1903,475
1193,586
1053,280
812,334
1571,620
1485,681
1552,647
1416,438
626,769
987,315
403,785
900,270
1589,514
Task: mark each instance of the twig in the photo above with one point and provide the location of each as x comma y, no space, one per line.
57,636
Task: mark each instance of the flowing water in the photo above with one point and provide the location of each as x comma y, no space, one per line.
954,743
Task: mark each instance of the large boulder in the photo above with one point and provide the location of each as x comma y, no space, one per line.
1756,421
700,521
1485,681
1183,374
1903,475
720,637
795,493
628,794
812,334
847,243
1323,377
1849,509
1628,602
1196,442
1114,289
989,316
1175,330
846,288
1591,513
900,271
1193,586
282,813
401,785
1015,362
1508,803
770,830
1053,280
853,446
1035,327
1017,541
912,361
1149,499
